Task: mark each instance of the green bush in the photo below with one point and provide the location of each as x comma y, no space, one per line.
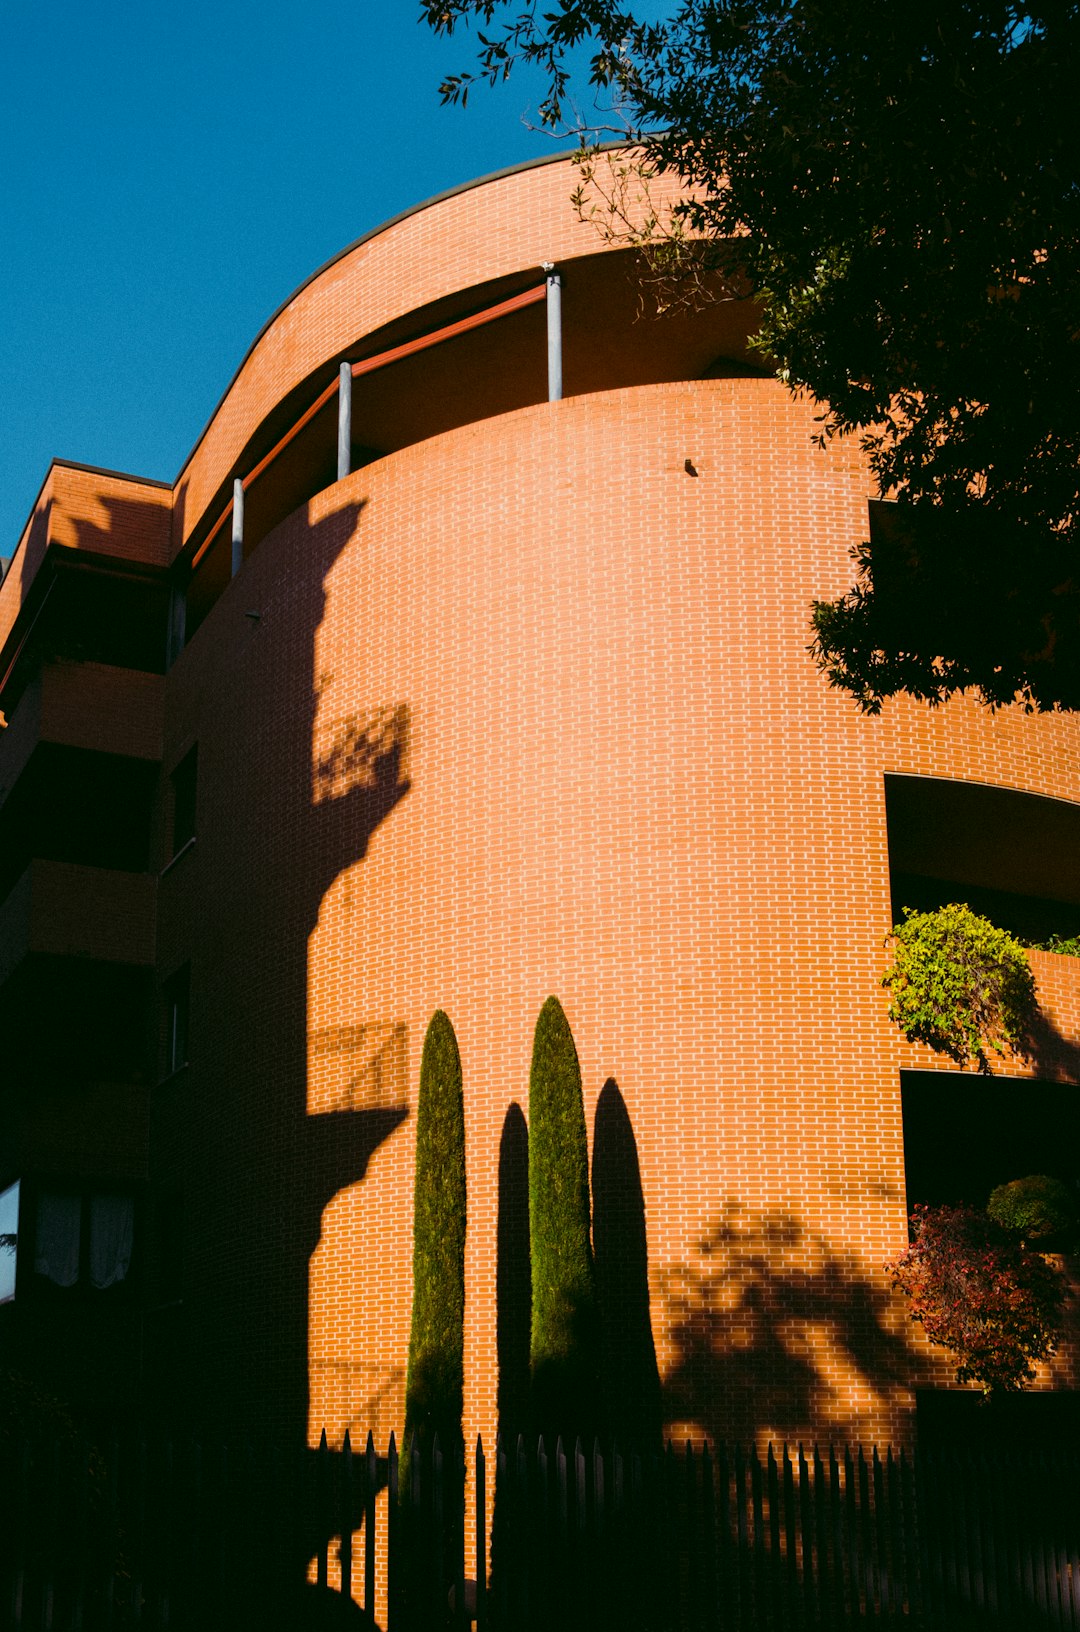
959,984
435,1384
1034,1208
564,1345
1066,946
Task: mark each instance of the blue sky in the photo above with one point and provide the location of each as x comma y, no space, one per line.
169,175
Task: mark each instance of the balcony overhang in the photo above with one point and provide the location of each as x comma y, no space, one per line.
64,910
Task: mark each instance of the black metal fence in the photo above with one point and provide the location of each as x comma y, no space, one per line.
182,1537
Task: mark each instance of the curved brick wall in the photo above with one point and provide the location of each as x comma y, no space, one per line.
526,709
509,225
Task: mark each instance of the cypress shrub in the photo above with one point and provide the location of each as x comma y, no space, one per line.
563,1348
435,1384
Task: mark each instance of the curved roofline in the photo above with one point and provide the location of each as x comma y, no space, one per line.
364,238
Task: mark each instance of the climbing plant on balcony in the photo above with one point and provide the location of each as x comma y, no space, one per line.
959,984
434,1386
978,1291
564,1338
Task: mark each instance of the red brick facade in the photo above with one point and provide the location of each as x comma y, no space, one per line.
518,708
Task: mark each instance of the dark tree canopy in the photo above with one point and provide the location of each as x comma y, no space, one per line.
900,185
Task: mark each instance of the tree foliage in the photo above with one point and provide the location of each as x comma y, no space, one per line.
959,984
435,1384
1037,1208
899,185
976,1290
564,1338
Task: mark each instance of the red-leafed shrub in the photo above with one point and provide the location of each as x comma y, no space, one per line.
976,1290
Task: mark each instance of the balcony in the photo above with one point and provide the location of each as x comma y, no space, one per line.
84,705
473,356
60,909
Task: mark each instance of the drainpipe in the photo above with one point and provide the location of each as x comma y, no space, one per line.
237,526
344,421
554,332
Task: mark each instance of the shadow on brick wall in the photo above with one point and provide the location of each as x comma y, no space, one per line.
290,1110
631,1381
761,1344
513,1276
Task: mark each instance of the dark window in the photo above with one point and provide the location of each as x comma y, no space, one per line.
177,1019
964,1134
9,1240
84,1238
184,783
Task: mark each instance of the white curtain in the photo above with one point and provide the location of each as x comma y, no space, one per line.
112,1223
58,1232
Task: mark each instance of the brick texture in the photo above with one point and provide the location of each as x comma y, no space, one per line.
526,708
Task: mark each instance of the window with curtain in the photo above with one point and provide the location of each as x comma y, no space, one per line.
84,1238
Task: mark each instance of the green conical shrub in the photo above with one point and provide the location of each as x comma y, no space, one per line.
563,1351
435,1384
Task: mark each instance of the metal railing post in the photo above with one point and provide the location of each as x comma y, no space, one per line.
344,421
554,332
237,526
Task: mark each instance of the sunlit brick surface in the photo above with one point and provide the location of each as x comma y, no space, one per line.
617,778
526,708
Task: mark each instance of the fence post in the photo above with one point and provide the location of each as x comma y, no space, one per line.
436,1560
806,1529
393,1540
760,1585
371,1479
826,1585
456,1501
742,1538
481,1538
841,1571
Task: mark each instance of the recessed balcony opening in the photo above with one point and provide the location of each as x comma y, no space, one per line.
71,804
69,1021
492,368
965,1134
1014,857
91,616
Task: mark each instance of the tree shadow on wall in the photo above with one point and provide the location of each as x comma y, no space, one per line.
630,1378
1054,1056
513,1277
773,1329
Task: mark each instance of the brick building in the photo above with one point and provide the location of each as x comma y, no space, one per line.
518,704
